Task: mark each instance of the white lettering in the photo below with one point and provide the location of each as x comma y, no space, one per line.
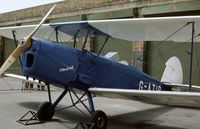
153,85
68,68
141,84
159,88
149,86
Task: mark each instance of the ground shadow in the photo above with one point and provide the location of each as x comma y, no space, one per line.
133,120
71,114
140,119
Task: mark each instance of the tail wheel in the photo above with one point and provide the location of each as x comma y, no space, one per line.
99,119
45,111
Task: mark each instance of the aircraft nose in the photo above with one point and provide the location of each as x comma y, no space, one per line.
29,58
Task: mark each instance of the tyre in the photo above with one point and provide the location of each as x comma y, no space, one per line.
99,119
45,111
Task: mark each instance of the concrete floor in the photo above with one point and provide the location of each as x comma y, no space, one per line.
121,114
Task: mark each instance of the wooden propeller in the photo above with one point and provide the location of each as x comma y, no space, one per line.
23,45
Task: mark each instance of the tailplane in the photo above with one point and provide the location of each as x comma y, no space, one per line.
173,72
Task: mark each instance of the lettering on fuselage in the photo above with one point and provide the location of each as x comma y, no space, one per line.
68,68
149,86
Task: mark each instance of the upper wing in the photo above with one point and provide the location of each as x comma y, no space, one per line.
150,29
45,32
134,29
188,99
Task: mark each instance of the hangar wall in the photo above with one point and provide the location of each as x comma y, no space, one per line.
158,53
74,10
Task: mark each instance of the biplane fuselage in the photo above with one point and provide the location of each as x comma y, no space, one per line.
58,64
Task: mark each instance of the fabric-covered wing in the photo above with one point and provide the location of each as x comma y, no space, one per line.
45,32
150,29
31,80
174,98
23,78
134,29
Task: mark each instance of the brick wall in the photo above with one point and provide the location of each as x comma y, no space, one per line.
74,7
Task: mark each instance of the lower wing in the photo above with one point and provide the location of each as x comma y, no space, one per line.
173,98
23,78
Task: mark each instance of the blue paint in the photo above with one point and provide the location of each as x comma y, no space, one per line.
49,60
63,65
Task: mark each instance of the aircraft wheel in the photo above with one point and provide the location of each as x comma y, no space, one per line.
99,119
45,111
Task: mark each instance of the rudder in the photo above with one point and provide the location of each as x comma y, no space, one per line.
173,72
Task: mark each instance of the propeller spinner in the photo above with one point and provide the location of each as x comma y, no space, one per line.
23,45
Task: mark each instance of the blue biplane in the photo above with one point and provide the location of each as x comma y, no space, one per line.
80,70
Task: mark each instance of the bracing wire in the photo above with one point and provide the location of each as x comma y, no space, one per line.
159,43
62,41
171,49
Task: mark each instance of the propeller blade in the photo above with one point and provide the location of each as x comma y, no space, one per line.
42,21
7,64
23,45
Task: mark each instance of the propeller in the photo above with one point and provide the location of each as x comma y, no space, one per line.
23,45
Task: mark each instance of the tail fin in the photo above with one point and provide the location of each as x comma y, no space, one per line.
173,72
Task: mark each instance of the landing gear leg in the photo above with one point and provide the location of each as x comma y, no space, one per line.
46,110
98,118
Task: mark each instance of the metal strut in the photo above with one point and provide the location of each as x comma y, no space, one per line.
90,101
75,36
80,100
49,93
90,109
14,37
103,45
191,56
59,98
56,30
85,41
